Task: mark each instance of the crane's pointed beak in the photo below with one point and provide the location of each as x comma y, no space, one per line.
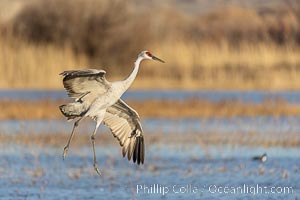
155,58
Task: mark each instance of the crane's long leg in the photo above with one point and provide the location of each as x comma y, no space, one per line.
70,138
94,150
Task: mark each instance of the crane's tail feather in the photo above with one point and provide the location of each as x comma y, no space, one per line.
139,150
72,110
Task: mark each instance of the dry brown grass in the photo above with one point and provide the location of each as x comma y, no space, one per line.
189,66
203,139
210,66
207,109
24,65
29,110
227,48
165,109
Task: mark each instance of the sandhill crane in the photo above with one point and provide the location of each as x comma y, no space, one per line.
99,99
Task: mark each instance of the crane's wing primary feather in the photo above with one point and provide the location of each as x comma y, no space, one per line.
125,125
85,84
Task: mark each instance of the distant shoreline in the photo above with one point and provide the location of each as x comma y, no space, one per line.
194,107
204,139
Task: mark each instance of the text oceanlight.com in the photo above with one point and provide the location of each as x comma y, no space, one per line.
213,189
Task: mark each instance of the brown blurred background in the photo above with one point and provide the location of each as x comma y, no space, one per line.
233,44
229,90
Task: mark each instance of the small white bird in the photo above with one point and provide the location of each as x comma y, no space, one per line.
99,99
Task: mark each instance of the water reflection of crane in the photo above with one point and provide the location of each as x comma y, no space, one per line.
99,99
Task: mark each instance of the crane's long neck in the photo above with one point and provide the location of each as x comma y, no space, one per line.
128,81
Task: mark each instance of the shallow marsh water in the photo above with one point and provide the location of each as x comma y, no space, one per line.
40,173
218,95
171,171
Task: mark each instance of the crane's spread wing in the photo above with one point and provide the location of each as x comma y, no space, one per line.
87,83
125,125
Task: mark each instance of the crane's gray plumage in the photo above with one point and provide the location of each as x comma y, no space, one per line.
85,86
87,83
125,125
99,99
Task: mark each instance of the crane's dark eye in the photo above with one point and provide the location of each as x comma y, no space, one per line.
149,54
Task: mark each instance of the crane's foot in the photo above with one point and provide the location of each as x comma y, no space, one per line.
97,169
65,152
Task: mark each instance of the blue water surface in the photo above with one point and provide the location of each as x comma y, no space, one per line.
40,173
244,96
187,170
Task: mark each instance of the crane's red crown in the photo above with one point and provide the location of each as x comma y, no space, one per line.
149,54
